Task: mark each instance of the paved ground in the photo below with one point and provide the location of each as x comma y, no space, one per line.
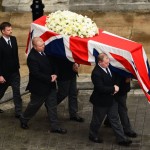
38,137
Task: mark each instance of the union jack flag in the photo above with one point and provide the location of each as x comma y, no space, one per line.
126,57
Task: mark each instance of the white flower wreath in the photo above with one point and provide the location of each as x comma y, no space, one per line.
71,24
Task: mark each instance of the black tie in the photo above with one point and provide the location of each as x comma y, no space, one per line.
9,43
42,53
108,72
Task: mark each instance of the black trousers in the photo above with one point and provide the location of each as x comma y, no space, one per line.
123,112
14,82
99,113
68,88
35,104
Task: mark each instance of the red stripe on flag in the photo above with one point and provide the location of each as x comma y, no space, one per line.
146,94
140,64
79,49
124,62
41,21
115,41
46,35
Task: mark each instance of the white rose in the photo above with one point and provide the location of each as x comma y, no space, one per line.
72,24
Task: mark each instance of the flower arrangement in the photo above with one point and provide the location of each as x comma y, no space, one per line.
71,24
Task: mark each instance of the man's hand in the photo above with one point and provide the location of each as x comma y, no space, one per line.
75,67
116,89
128,80
54,77
2,80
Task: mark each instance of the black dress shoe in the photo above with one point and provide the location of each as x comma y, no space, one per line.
125,142
24,126
59,130
17,116
77,119
1,111
131,134
95,139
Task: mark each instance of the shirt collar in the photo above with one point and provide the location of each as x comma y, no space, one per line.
103,68
41,53
6,39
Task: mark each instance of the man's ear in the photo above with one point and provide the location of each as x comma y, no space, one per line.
2,31
99,62
34,46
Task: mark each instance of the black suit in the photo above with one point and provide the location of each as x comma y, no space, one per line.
104,103
41,88
103,87
121,98
67,84
9,61
9,69
40,71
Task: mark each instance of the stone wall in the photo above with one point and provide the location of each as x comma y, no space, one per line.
110,5
79,5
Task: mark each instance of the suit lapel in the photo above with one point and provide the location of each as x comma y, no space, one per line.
6,44
104,73
40,57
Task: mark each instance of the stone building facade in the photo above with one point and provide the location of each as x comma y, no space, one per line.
79,5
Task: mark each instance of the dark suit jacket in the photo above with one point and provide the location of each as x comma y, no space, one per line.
9,61
103,87
124,87
65,68
40,71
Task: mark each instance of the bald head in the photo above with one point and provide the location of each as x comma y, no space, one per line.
103,60
38,44
101,56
